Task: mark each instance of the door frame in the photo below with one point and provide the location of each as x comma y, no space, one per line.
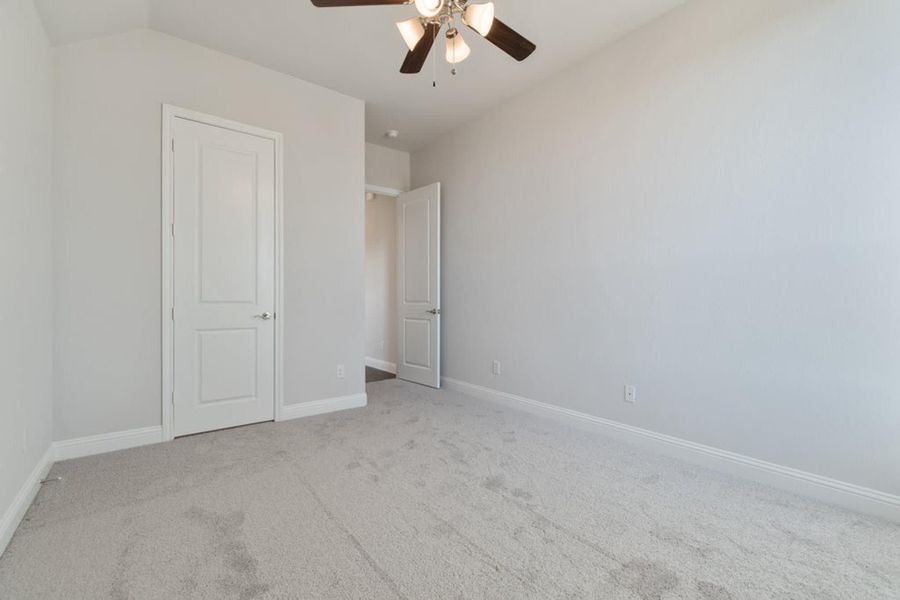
169,114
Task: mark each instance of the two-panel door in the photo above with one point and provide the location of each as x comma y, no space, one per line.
224,190
419,285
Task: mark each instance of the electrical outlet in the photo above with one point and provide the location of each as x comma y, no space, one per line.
630,394
495,367
340,372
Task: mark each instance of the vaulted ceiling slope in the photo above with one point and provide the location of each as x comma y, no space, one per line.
358,50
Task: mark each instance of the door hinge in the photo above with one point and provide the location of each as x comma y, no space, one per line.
173,399
173,144
173,313
173,229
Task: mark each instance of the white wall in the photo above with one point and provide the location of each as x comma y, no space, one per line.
107,221
26,312
709,209
387,168
381,279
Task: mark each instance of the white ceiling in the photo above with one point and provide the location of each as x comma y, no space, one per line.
358,51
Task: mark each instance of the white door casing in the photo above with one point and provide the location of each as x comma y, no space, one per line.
225,277
419,285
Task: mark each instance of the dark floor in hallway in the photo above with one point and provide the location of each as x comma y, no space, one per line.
373,375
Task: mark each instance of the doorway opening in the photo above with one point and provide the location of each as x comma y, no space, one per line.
381,287
403,285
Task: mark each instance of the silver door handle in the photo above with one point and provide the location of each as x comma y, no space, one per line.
434,311
265,316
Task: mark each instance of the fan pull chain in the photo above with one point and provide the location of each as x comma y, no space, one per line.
433,61
453,65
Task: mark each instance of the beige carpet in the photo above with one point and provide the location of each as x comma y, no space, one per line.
428,495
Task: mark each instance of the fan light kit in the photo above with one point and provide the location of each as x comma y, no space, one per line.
429,8
420,32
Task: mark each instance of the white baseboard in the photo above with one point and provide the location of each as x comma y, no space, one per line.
319,407
132,438
381,365
832,491
13,514
107,442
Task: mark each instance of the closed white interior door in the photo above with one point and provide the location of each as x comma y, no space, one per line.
419,285
224,277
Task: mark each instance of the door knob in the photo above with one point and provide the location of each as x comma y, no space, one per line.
265,316
434,311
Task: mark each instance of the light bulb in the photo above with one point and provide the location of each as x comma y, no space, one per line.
412,31
429,8
457,48
480,17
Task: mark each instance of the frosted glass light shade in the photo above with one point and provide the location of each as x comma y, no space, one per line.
429,8
457,48
412,31
480,17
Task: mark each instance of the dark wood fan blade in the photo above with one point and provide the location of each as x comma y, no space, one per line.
416,57
335,3
505,38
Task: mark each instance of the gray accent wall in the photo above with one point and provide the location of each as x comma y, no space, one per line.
26,309
387,168
109,93
708,209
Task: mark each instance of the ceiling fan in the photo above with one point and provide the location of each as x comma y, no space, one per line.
420,32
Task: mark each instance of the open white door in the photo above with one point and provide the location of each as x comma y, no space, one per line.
419,285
